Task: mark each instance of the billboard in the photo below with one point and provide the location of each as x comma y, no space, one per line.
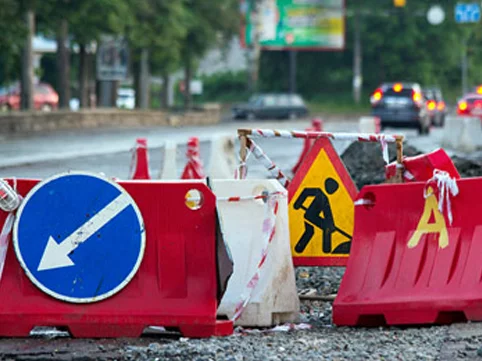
296,24
112,59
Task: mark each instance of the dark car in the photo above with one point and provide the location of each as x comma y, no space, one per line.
436,106
271,106
401,105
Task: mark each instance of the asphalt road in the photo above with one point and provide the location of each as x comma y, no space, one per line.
109,150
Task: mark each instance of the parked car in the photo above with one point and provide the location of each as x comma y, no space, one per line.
400,105
271,106
45,98
126,98
470,105
436,106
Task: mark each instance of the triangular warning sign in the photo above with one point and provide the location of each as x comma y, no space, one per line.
321,208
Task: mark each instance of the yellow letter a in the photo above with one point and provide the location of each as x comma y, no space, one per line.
438,226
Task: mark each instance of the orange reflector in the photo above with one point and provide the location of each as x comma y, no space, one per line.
397,88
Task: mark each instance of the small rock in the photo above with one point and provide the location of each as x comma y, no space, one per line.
154,347
479,351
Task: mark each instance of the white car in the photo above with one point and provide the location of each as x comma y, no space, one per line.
126,98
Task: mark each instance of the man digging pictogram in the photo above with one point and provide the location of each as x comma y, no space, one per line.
319,214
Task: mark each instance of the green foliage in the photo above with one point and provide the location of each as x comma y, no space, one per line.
224,87
12,30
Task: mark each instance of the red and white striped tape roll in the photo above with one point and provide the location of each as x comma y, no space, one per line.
269,229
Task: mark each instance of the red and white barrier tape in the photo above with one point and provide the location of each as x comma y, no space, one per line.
383,139
275,171
447,187
269,228
357,137
250,198
242,198
9,201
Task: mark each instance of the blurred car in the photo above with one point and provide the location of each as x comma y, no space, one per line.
400,105
45,98
436,106
271,106
470,105
126,98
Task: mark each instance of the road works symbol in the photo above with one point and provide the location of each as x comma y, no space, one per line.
321,209
79,237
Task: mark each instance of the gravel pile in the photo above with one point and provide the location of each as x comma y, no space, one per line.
365,163
317,344
467,167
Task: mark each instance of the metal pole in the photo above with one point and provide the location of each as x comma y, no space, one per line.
27,63
293,68
357,59
464,67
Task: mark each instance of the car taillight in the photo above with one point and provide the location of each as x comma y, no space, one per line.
431,105
417,97
462,107
376,96
397,88
479,89
441,105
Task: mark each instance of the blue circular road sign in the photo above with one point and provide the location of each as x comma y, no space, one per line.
79,237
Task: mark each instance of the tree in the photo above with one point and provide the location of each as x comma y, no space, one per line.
12,39
27,77
90,20
155,37
211,23
54,16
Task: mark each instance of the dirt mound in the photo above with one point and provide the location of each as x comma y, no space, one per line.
468,168
365,163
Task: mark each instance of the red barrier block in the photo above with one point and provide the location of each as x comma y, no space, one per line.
407,264
175,286
420,168
140,160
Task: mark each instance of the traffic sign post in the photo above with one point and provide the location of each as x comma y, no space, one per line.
467,13
79,237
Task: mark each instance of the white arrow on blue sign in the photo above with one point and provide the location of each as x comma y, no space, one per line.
79,237
467,13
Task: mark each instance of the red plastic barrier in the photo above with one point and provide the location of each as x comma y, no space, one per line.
407,264
194,168
140,161
421,167
316,126
175,286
